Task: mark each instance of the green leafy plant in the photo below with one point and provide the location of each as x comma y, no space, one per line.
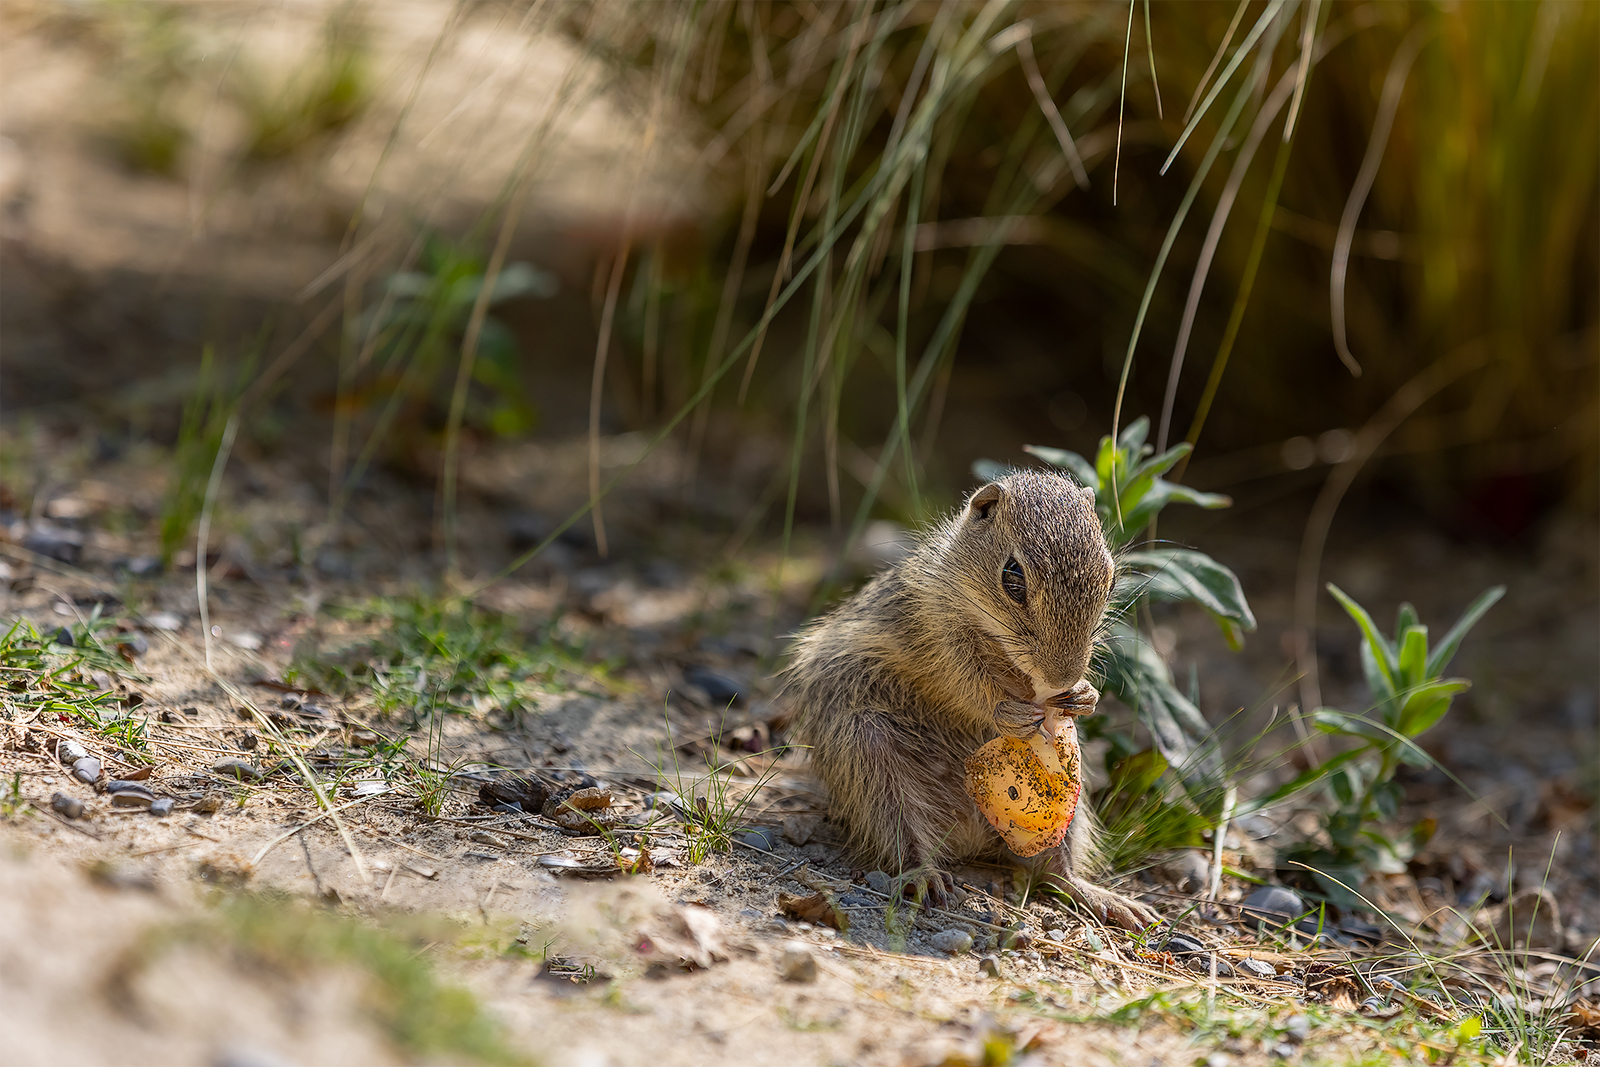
1409,696
415,331
714,805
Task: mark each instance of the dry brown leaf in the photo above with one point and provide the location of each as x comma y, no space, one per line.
1586,1015
819,907
681,939
1333,985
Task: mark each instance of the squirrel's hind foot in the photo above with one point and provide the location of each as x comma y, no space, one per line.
927,885
1109,907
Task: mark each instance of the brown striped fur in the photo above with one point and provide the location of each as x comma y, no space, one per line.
896,687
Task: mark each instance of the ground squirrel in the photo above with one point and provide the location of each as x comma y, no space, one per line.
987,627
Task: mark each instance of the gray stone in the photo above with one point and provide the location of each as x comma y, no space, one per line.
231,767
879,882
71,807
1179,945
137,797
70,752
1273,905
1189,869
990,965
1018,938
86,770
952,942
1256,968
1202,965
1297,1029
161,807
798,964
757,839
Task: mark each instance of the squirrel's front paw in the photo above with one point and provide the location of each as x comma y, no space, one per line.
1013,718
1081,699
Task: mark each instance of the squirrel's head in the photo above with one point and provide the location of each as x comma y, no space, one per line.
1036,573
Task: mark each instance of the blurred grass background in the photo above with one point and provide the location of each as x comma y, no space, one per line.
893,237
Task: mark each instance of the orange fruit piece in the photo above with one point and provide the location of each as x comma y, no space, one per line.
1028,789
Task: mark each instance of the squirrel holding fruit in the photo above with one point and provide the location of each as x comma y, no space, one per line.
985,630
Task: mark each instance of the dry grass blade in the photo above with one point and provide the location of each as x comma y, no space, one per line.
1393,84
1303,71
1069,148
281,838
1219,218
1266,20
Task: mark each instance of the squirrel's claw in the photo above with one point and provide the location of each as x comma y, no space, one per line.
1081,699
1109,907
928,885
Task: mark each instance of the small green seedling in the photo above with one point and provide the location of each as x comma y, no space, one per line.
1409,696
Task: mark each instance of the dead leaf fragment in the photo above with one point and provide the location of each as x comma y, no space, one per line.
818,908
1333,985
681,939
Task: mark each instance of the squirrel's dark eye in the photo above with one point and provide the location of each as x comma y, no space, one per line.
1015,584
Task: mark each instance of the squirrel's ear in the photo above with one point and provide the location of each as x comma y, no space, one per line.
983,501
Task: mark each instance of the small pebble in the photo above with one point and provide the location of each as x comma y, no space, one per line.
144,567
208,804
1202,965
1273,905
70,752
137,797
1018,938
484,837
86,770
663,801
1282,1051
1372,1006
245,639
757,839
161,807
952,942
798,829
879,882
1256,968
859,900
63,636
122,785
164,620
1297,1029
71,807
720,691
1180,945
797,964
989,965
236,768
